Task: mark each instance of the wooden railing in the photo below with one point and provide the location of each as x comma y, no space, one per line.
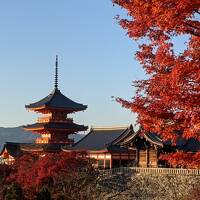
50,119
138,170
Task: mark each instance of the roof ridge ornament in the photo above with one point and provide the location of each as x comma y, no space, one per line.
56,73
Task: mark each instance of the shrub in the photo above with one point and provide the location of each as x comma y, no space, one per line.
14,192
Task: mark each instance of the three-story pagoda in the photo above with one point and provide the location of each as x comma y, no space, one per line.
55,126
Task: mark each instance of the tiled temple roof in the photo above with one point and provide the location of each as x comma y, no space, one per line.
101,138
113,138
57,100
18,149
13,149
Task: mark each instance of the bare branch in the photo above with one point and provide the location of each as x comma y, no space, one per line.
197,12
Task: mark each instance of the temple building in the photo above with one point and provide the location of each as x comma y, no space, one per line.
54,127
120,146
113,147
110,147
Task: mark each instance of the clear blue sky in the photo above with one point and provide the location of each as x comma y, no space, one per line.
96,59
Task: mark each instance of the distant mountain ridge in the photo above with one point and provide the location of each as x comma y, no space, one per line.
17,134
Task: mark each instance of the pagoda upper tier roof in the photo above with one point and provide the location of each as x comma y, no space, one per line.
56,100
56,126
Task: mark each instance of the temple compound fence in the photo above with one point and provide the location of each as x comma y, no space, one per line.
138,170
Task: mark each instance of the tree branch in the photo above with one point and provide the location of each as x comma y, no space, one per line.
192,26
197,12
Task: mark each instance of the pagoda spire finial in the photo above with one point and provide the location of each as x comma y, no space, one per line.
56,73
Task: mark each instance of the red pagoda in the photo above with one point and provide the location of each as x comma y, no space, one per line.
55,126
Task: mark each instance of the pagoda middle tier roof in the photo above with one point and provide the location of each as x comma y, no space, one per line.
56,126
56,100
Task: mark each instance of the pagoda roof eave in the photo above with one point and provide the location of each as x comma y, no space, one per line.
33,129
98,151
55,126
56,100
38,109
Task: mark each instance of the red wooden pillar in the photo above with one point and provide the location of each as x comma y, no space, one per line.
104,161
147,157
110,161
120,159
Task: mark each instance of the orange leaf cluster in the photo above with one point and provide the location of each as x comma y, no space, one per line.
184,160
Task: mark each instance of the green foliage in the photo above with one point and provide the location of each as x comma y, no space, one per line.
14,192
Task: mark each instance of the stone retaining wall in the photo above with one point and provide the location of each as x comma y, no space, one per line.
143,186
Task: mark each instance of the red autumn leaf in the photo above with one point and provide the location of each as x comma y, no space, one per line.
169,100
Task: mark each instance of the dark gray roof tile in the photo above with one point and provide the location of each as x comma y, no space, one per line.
13,149
18,149
57,100
99,138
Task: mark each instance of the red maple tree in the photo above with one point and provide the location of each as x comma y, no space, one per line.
65,173
178,159
169,99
